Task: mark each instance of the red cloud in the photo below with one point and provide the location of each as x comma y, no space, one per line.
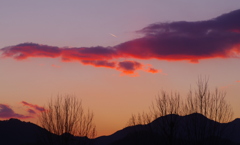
238,81
152,70
35,107
181,40
6,112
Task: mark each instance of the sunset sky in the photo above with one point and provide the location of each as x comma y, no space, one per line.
116,56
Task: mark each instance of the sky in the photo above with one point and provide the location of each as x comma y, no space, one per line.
114,55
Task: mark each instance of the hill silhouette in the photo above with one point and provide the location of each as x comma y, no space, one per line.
17,132
14,132
186,132
170,129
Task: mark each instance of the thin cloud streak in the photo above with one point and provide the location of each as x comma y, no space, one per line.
35,107
192,41
31,111
56,66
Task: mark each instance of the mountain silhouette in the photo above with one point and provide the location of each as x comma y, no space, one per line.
16,132
166,130
174,129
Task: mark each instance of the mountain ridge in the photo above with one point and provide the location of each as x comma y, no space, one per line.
15,131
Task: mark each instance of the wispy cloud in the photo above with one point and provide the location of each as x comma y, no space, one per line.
230,85
56,66
6,112
35,107
31,111
192,41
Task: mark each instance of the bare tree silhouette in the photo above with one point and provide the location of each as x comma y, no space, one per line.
199,103
211,104
65,117
167,105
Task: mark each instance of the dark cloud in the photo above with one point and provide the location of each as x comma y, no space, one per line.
218,37
192,41
129,67
6,112
229,21
35,107
226,22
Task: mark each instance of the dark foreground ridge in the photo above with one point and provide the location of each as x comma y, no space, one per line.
194,129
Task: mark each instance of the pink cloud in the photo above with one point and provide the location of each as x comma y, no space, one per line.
31,111
35,107
6,112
